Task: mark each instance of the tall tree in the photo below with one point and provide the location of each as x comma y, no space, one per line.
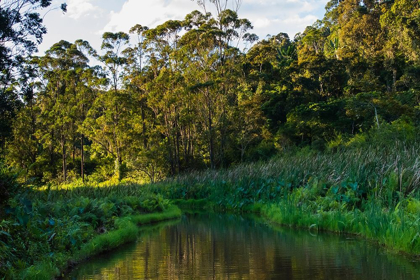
62,101
21,30
107,121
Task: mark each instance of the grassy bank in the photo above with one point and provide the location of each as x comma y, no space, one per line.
42,236
126,230
397,229
371,191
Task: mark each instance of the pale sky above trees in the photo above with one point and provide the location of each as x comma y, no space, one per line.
89,19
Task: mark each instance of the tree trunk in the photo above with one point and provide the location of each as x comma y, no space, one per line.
143,117
82,160
394,80
118,162
63,147
211,140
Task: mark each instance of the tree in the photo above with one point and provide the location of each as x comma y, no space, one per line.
66,96
165,90
21,30
402,20
107,121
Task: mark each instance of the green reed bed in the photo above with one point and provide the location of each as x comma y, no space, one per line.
397,229
386,174
372,191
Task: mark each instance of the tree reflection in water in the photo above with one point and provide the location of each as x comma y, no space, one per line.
223,246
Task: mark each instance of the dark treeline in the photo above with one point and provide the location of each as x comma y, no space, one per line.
185,96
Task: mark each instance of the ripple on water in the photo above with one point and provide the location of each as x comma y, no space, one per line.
215,246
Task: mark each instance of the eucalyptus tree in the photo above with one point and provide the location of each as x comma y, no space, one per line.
362,40
23,147
107,121
166,87
136,78
65,79
199,45
21,30
401,21
220,5
89,82
146,154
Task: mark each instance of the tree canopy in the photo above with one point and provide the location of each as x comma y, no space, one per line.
183,96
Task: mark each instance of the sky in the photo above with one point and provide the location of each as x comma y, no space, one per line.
89,19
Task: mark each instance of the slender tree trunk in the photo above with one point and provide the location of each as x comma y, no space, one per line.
175,155
171,157
74,154
143,117
211,140
82,159
118,162
63,147
376,116
51,151
394,80
177,135
223,138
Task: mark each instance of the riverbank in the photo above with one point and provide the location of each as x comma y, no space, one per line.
205,245
42,238
396,229
370,191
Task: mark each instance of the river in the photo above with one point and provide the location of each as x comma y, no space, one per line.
224,246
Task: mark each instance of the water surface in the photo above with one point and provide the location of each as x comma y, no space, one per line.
223,246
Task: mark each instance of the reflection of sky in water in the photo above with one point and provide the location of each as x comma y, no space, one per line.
215,246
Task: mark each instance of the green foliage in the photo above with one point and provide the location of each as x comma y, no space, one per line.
333,112
8,183
42,231
366,189
341,179
184,97
396,228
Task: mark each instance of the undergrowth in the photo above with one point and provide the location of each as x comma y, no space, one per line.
41,234
372,191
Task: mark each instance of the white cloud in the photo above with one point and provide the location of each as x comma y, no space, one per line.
267,16
262,22
89,19
148,13
81,8
290,16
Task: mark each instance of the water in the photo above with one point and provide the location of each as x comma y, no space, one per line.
222,246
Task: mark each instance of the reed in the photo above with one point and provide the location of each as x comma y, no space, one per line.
372,191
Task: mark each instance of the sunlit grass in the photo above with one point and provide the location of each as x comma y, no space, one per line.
371,191
126,230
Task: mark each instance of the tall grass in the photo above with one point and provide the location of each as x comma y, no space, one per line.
372,191
397,229
383,173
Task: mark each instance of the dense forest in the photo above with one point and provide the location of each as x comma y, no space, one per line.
204,92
